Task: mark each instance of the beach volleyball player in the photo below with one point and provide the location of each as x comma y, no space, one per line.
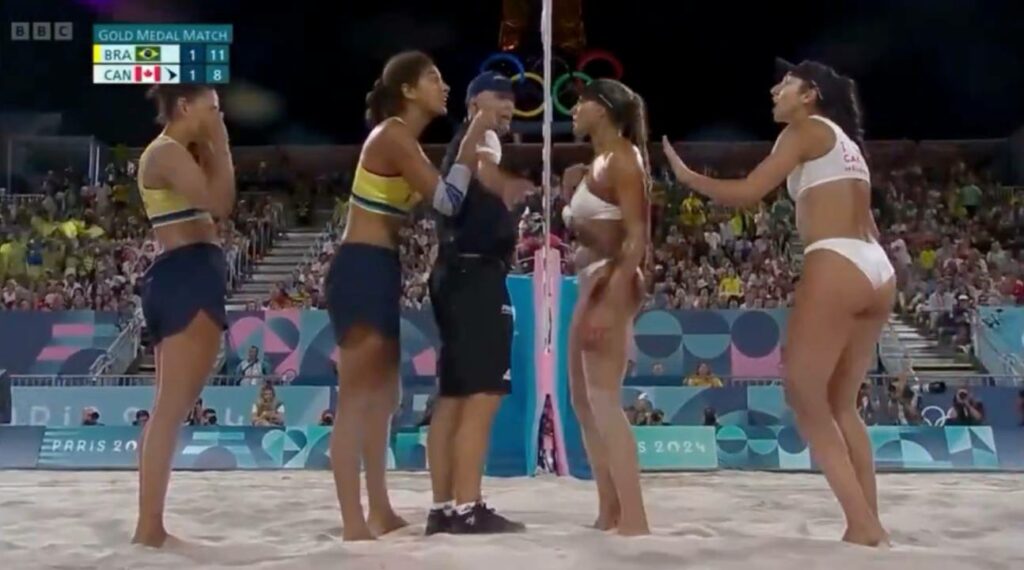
183,292
475,321
847,288
364,282
609,213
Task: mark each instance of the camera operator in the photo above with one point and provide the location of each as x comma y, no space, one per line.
966,410
904,403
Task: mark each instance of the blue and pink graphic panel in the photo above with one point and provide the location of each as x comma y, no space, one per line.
65,342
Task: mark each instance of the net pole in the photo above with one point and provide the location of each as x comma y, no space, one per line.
547,279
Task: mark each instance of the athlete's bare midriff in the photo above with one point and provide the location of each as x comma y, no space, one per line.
185,233
838,209
368,227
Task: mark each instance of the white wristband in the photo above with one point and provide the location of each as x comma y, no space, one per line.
491,146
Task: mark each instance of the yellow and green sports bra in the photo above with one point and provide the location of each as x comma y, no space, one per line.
165,207
388,195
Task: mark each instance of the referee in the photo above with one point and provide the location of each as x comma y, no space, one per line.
474,317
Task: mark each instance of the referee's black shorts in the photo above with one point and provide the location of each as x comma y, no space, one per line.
475,322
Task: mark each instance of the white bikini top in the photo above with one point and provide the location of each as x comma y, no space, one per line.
843,161
585,205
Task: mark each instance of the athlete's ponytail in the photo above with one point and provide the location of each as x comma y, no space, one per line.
381,103
387,98
846,112
636,130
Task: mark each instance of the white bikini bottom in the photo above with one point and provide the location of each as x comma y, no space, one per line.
868,256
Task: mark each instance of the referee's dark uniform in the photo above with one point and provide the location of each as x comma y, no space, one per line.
468,293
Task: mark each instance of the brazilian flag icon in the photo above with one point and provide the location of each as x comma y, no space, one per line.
147,53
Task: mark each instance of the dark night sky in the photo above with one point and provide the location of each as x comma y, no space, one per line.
926,68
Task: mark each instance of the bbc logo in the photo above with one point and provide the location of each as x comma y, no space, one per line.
42,31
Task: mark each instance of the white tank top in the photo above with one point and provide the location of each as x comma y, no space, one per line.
843,161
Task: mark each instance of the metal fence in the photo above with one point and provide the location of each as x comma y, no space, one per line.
122,352
118,380
241,260
123,380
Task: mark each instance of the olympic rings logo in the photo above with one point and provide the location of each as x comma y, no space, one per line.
522,74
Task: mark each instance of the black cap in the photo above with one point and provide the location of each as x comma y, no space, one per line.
489,81
829,84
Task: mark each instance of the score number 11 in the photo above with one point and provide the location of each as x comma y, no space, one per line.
205,63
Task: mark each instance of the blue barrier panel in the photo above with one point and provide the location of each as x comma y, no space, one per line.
676,448
305,447
300,343
63,342
896,448
199,448
90,447
766,405
19,446
1010,445
227,447
62,406
513,446
669,448
410,448
663,448
572,437
1002,333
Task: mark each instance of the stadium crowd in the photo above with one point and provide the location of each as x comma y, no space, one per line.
75,245
952,233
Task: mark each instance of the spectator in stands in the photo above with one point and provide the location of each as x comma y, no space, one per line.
253,368
867,407
267,410
195,415
966,410
642,412
98,236
703,378
710,417
326,418
209,417
90,417
141,418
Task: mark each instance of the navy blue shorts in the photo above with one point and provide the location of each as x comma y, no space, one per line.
364,285
180,283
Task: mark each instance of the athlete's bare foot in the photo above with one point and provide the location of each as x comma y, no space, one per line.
633,530
608,514
869,537
386,522
357,533
607,521
156,538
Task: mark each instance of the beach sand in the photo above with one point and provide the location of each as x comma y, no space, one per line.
723,520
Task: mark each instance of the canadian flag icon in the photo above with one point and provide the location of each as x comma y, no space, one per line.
147,74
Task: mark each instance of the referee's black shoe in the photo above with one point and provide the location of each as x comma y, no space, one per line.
482,519
439,521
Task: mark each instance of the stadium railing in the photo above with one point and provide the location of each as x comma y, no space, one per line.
21,200
122,352
992,352
254,247
122,380
118,380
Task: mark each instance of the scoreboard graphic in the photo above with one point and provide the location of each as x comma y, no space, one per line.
161,53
